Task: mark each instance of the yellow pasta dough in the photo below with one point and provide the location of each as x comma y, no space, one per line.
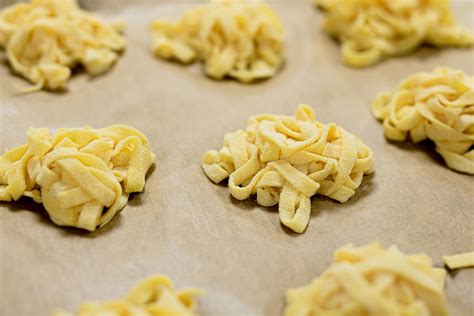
287,159
438,106
371,30
83,176
155,296
464,260
44,39
234,38
371,280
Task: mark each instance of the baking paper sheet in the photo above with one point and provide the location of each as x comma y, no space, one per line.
186,227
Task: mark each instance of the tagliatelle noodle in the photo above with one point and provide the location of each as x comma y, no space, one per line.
464,260
371,280
235,38
44,39
371,30
438,106
155,296
286,160
83,176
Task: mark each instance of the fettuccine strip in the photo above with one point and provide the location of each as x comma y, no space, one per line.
83,176
286,160
233,38
44,39
464,260
152,297
373,281
371,30
438,106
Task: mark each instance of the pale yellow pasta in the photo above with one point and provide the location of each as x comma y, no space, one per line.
464,260
233,38
155,296
44,39
286,160
371,30
438,106
83,176
371,280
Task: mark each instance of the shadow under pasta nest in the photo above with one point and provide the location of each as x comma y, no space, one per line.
328,204
198,68
428,147
28,205
135,199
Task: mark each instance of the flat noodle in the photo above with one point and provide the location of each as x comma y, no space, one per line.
83,176
285,160
371,280
371,30
464,260
234,38
155,296
438,106
44,39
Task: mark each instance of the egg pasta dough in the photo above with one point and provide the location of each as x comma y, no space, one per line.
372,281
233,38
436,105
45,39
155,296
285,160
463,260
371,30
83,176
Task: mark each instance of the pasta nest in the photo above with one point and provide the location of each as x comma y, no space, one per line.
371,30
83,176
44,39
371,280
238,39
436,105
286,160
154,296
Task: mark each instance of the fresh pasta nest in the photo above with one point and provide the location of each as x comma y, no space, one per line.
438,106
234,38
371,280
155,296
44,39
286,160
370,30
83,176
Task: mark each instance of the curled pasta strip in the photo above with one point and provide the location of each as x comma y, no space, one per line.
44,39
235,38
371,280
459,261
438,106
155,296
371,30
83,176
286,160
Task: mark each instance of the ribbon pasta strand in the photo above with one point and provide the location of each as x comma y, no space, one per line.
438,106
286,160
44,39
83,176
371,30
234,38
155,296
371,280
460,261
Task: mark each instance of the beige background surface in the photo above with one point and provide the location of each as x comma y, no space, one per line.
192,230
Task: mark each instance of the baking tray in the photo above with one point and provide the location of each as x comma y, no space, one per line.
186,227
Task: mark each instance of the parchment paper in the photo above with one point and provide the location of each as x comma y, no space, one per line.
192,230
